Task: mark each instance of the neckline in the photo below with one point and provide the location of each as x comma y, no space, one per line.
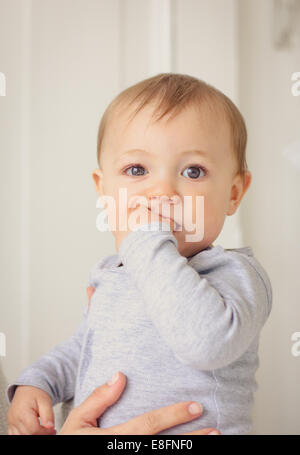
215,249
116,263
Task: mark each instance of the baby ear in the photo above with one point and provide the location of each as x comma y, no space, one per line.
97,176
239,187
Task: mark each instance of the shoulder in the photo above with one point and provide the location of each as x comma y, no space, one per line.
246,256
234,268
247,265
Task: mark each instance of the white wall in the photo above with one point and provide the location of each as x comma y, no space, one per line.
12,151
271,217
50,240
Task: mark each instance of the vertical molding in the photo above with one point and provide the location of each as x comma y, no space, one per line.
121,44
174,36
161,54
147,39
236,97
25,118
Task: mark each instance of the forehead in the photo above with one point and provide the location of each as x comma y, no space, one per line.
205,128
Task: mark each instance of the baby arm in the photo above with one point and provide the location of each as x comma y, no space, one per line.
55,372
50,380
208,319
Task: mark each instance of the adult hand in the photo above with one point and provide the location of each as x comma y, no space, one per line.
83,419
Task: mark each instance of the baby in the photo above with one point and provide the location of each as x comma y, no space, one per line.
180,317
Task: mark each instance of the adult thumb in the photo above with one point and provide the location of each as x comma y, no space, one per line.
100,399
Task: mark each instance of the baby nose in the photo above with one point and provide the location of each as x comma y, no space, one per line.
163,192
163,197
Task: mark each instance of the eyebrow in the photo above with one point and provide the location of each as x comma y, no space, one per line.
186,152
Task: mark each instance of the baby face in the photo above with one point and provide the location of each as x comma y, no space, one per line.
188,155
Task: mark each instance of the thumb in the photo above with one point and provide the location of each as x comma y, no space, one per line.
100,399
46,413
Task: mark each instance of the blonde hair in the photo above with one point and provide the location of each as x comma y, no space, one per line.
174,92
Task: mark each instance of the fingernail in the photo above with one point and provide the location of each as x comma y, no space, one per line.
113,379
213,432
49,424
195,408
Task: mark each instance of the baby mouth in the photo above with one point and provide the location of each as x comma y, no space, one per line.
176,225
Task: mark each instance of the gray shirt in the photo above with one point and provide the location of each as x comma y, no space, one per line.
179,328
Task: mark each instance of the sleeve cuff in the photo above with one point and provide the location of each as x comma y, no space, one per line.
138,247
156,231
154,226
10,391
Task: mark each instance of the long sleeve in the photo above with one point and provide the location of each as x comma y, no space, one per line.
54,372
207,316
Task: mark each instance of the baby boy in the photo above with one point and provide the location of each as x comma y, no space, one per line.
180,317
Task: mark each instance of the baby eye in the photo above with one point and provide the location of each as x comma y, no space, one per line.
193,171
136,170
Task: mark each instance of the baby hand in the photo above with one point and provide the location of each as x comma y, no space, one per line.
139,216
28,405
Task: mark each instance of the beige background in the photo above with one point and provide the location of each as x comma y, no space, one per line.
64,60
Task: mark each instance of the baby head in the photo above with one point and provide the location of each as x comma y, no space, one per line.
175,137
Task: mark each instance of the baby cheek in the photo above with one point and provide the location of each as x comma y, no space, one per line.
214,218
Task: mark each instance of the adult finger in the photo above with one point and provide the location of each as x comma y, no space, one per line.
46,413
31,422
99,400
22,429
90,291
14,431
10,430
46,431
158,420
204,431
